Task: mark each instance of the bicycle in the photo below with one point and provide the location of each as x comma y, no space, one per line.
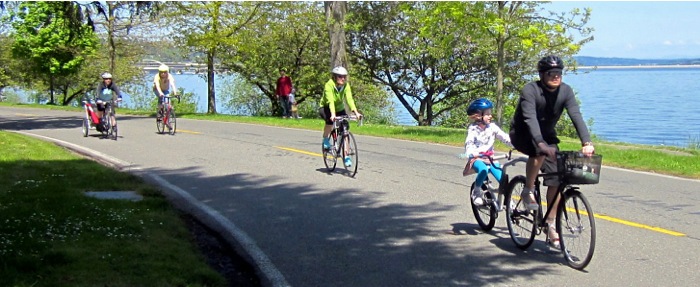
575,222
166,116
102,125
342,145
493,195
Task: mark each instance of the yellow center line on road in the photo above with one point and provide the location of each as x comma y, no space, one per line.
299,151
629,223
599,216
26,115
639,225
188,132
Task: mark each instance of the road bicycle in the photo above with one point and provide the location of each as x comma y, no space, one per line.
166,117
493,191
102,125
342,145
575,222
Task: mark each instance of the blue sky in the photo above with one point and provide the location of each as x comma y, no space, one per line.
640,29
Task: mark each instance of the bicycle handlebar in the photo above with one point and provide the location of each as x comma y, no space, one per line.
340,119
491,158
175,96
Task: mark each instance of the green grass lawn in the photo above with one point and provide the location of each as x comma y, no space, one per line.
53,235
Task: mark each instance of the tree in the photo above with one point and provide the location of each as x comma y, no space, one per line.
118,19
437,71
51,40
335,20
514,35
291,35
207,27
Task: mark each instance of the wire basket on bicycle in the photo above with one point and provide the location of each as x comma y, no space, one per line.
578,168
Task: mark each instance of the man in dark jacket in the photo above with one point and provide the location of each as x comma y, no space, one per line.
533,131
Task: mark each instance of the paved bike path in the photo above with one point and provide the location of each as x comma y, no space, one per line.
394,224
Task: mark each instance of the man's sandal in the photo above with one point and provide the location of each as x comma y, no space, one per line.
551,241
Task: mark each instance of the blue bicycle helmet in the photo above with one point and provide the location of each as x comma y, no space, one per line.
479,105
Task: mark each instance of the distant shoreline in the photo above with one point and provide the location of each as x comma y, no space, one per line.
641,67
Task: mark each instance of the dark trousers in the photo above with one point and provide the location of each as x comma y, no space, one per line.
286,106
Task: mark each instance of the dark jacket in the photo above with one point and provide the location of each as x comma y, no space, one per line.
539,110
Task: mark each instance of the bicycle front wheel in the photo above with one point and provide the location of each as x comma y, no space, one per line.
115,130
350,150
576,228
522,223
172,122
86,126
485,214
160,124
107,124
330,158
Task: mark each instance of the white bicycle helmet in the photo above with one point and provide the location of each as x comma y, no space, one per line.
340,71
163,68
106,75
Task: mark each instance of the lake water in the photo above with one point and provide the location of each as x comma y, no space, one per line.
656,106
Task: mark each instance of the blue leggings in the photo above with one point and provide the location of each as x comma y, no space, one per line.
482,170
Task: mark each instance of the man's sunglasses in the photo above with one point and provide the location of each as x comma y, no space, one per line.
553,73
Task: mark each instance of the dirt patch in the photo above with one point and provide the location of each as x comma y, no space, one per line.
237,271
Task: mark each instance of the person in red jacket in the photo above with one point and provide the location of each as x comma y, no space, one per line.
284,88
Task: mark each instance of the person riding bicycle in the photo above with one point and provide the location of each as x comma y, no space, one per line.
335,92
533,133
481,136
163,84
107,91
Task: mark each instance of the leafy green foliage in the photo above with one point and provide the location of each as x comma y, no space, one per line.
50,42
430,73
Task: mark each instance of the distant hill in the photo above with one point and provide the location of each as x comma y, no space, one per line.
596,61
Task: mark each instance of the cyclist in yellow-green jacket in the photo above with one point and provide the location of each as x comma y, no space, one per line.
335,93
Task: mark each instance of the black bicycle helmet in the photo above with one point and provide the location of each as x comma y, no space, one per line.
550,62
479,105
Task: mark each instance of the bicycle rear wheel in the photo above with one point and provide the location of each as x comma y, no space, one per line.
576,228
330,157
522,223
172,122
351,151
486,214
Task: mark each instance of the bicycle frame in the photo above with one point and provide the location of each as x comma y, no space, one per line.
503,183
341,127
167,107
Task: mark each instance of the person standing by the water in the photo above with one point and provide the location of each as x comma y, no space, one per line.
284,88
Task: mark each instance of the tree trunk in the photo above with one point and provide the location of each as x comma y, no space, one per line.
110,37
335,20
210,81
51,101
500,67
